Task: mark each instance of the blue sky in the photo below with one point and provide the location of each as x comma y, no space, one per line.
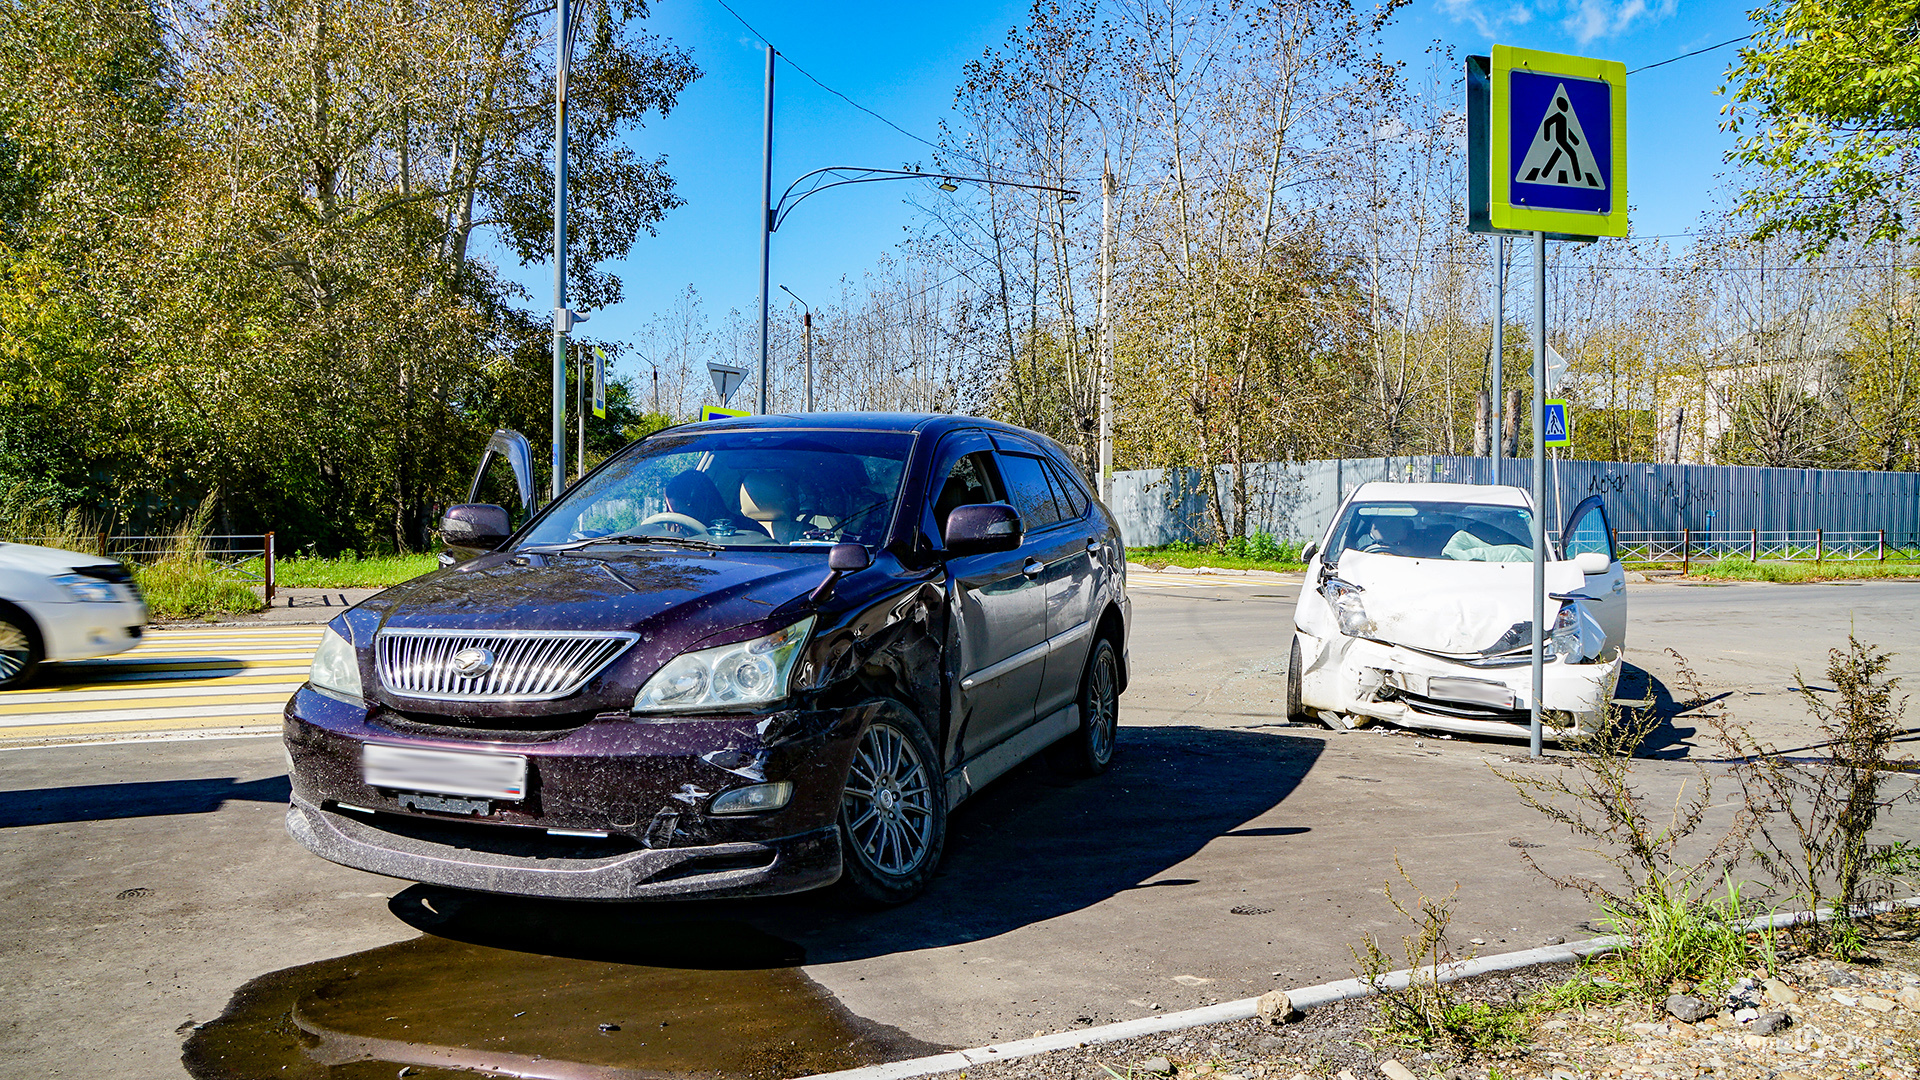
904,60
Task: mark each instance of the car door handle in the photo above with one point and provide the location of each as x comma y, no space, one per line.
1034,568
1618,587
1093,545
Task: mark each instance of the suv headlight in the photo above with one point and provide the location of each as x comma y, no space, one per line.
1577,637
87,590
728,676
335,667
1344,598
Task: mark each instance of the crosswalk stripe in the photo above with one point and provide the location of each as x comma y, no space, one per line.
235,679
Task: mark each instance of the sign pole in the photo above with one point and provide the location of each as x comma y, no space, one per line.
1495,436
1539,482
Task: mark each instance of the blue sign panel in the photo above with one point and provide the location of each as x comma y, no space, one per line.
1561,151
1553,424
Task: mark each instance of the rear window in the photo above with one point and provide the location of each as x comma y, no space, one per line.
1463,532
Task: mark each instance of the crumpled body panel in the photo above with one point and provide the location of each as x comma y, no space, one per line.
1441,605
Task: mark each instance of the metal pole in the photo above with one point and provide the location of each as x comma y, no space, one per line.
1106,328
559,246
1496,433
581,375
766,226
806,345
1539,482
656,390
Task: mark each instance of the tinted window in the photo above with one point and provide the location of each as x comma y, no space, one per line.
1589,533
1067,490
970,483
1029,491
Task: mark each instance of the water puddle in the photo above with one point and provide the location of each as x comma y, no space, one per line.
531,989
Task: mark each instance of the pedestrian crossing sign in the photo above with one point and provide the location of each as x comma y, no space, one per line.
715,412
1557,143
1553,424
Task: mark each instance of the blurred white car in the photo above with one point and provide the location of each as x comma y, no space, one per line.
63,605
1417,610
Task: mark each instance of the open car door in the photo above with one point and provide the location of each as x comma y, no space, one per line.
511,486
1589,532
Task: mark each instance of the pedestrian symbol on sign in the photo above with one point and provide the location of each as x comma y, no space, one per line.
1560,153
1553,423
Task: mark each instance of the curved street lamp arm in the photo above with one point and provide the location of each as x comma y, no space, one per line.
778,212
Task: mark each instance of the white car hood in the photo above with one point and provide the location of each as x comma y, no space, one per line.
1441,605
31,558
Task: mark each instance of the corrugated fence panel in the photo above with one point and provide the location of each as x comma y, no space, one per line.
1297,500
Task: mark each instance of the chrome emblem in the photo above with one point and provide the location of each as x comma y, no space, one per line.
472,663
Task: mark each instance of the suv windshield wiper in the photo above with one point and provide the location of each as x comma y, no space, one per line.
629,538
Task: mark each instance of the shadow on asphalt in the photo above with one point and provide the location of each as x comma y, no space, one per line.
1032,847
108,802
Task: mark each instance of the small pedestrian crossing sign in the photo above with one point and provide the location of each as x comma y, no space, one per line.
1553,423
1548,133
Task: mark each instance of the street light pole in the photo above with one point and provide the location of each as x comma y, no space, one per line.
561,42
766,226
806,341
1106,327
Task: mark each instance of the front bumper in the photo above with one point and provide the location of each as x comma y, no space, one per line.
83,630
645,786
1359,677
461,856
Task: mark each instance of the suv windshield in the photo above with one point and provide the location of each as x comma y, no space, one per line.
1465,532
740,488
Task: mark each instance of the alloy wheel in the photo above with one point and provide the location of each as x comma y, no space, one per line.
1103,706
888,804
16,652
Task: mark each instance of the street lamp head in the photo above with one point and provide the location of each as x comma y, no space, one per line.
1069,196
948,185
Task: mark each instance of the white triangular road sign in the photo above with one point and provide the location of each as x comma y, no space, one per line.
725,379
1556,369
1559,153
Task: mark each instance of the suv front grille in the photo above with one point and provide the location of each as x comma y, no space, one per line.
519,665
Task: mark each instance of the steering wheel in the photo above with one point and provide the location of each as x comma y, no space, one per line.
668,517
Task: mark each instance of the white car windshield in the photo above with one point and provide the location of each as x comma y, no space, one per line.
740,488
1463,532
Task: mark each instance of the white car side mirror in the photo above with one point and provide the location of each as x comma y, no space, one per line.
1592,562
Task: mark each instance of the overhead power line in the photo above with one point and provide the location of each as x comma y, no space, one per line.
1696,52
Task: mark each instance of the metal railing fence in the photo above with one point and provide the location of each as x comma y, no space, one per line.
231,551
1808,545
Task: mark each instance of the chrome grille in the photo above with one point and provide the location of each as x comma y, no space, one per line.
528,665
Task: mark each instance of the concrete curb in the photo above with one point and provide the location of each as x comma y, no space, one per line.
1307,997
1220,571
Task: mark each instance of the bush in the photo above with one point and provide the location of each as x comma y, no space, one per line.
190,589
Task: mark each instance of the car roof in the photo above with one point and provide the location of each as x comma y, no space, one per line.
931,423
1482,494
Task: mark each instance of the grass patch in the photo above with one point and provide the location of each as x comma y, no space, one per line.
345,571
1737,568
1256,552
195,589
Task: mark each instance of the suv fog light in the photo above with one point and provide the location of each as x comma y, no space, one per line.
749,800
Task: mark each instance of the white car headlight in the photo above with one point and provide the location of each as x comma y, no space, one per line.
1344,598
335,668
1577,637
728,676
87,590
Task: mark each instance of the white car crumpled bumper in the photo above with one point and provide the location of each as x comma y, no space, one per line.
1356,677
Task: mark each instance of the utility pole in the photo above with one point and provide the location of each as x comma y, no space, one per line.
1498,435
806,340
766,226
560,327
582,372
1106,326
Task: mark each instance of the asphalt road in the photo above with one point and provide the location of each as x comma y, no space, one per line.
1225,854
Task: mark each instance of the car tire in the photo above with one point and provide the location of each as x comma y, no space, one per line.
1089,749
893,811
1294,709
20,647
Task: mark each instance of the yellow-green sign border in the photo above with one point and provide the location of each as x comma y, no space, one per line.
715,412
1501,211
1566,419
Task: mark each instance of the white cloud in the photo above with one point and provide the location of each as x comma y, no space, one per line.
1584,20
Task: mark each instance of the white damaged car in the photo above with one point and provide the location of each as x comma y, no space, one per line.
1417,610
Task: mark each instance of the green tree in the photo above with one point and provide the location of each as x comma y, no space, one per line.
1826,103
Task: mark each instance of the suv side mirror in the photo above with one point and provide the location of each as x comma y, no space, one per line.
841,559
476,525
983,527
1592,562
1307,553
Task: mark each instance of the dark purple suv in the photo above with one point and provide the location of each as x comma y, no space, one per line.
740,657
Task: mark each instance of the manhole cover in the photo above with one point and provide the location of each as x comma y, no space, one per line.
1251,909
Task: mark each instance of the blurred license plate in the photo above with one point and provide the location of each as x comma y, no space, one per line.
1472,691
448,772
